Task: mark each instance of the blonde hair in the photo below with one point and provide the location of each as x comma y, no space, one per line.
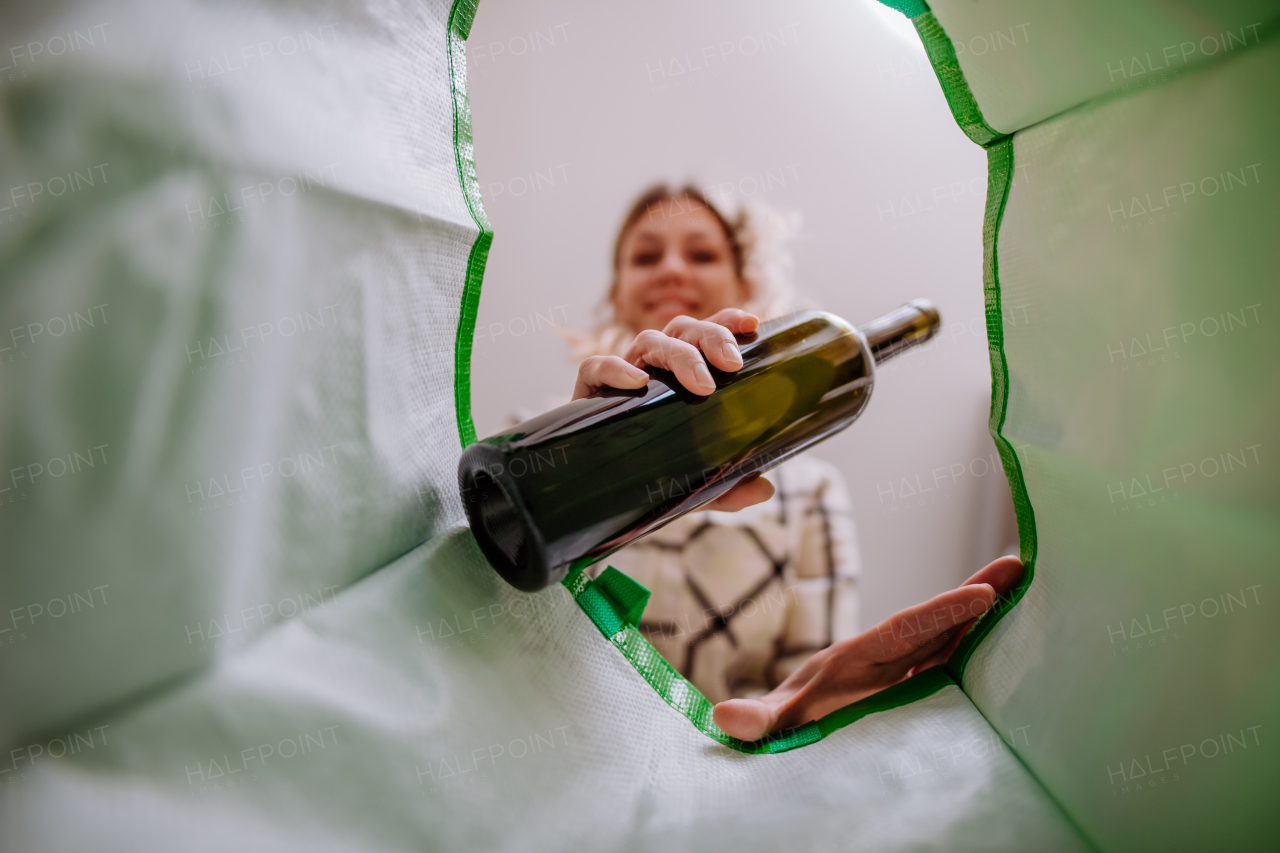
758,236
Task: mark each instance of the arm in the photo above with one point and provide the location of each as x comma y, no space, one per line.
908,642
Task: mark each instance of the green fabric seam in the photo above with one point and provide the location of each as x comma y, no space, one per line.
1000,174
910,8
946,65
967,113
461,17
1000,178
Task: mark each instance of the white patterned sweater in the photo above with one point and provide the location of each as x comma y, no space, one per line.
740,599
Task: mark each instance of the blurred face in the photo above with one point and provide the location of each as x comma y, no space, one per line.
675,261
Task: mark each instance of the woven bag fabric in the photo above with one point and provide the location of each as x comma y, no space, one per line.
244,610
1139,234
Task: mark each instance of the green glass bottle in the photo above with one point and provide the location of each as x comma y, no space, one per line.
569,487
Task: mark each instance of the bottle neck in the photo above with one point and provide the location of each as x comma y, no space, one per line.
901,329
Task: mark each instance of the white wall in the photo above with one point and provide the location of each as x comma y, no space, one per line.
579,104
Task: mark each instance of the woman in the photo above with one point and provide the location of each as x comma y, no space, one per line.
676,260
738,601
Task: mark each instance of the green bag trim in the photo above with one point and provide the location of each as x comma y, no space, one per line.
614,603
999,179
461,16
1000,175
946,65
965,109
910,8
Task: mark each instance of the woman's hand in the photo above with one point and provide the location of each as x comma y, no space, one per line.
679,348
908,642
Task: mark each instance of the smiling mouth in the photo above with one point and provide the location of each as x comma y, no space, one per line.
671,306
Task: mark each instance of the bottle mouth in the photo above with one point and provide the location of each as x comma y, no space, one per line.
500,523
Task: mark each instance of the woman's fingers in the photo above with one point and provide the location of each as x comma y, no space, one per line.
886,654
681,358
853,669
746,493
910,641
607,371
917,632
680,351
715,341
735,320
942,655
1002,574
681,346
745,719
714,336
